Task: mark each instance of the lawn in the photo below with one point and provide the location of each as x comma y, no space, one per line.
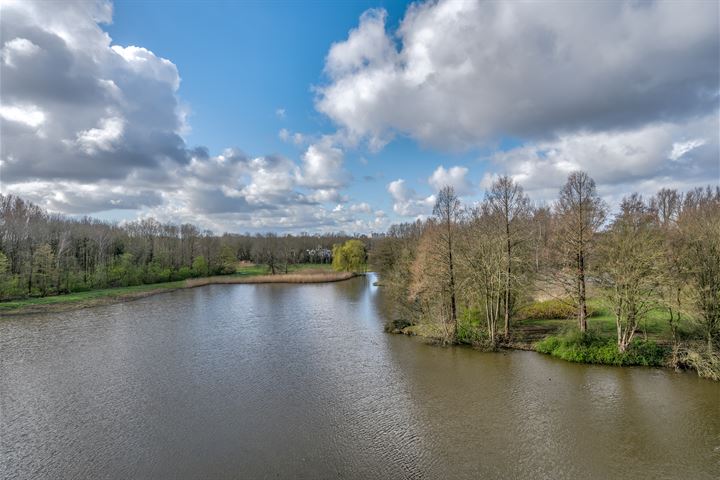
602,321
98,296
250,270
90,295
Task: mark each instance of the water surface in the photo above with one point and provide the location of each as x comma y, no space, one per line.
299,381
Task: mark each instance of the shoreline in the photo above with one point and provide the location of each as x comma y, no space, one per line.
530,346
110,296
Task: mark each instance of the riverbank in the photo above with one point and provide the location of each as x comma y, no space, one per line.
559,338
93,298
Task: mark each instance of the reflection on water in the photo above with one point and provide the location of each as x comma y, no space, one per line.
254,381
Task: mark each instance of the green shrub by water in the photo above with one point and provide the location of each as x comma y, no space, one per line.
593,348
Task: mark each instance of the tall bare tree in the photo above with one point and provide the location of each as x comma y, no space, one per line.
483,268
507,200
699,224
581,212
448,211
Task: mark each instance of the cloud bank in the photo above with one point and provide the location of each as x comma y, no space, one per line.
89,126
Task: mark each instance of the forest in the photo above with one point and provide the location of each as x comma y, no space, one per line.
44,254
485,274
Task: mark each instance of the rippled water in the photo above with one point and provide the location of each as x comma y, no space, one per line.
273,381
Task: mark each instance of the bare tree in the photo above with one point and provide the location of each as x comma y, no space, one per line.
430,288
507,200
630,268
483,268
699,224
581,212
448,211
667,204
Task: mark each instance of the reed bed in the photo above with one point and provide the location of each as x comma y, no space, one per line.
307,276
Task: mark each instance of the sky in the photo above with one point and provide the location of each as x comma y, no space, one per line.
348,116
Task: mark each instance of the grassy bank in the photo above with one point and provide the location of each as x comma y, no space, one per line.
246,274
541,329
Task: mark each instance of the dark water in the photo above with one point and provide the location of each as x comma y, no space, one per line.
271,381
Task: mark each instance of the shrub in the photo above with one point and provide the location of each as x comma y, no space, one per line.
183,273
548,310
590,347
470,329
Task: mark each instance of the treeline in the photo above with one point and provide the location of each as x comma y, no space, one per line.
45,254
469,270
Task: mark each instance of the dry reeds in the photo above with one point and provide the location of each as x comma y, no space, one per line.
307,276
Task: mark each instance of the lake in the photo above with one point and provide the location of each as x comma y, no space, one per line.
299,381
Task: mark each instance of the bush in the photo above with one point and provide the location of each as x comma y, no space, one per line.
548,310
592,348
183,273
470,330
199,267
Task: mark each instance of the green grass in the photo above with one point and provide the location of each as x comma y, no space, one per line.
592,347
251,270
656,326
85,296
109,293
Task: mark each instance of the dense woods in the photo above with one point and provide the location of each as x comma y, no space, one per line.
469,273
45,254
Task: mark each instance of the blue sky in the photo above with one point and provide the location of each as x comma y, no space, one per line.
292,116
272,56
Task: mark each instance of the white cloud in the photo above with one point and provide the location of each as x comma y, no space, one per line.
362,207
461,72
679,149
455,177
29,115
18,47
280,113
145,64
406,201
366,47
103,138
642,159
322,165
102,110
296,138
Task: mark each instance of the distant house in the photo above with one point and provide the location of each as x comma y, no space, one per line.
319,255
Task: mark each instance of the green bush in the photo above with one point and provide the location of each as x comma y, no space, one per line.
470,330
182,273
592,348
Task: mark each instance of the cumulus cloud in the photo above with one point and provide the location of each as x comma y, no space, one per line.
103,138
78,198
98,110
406,201
643,159
90,126
462,73
322,165
455,177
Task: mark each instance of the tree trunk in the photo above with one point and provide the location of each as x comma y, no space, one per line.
453,308
507,283
582,305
